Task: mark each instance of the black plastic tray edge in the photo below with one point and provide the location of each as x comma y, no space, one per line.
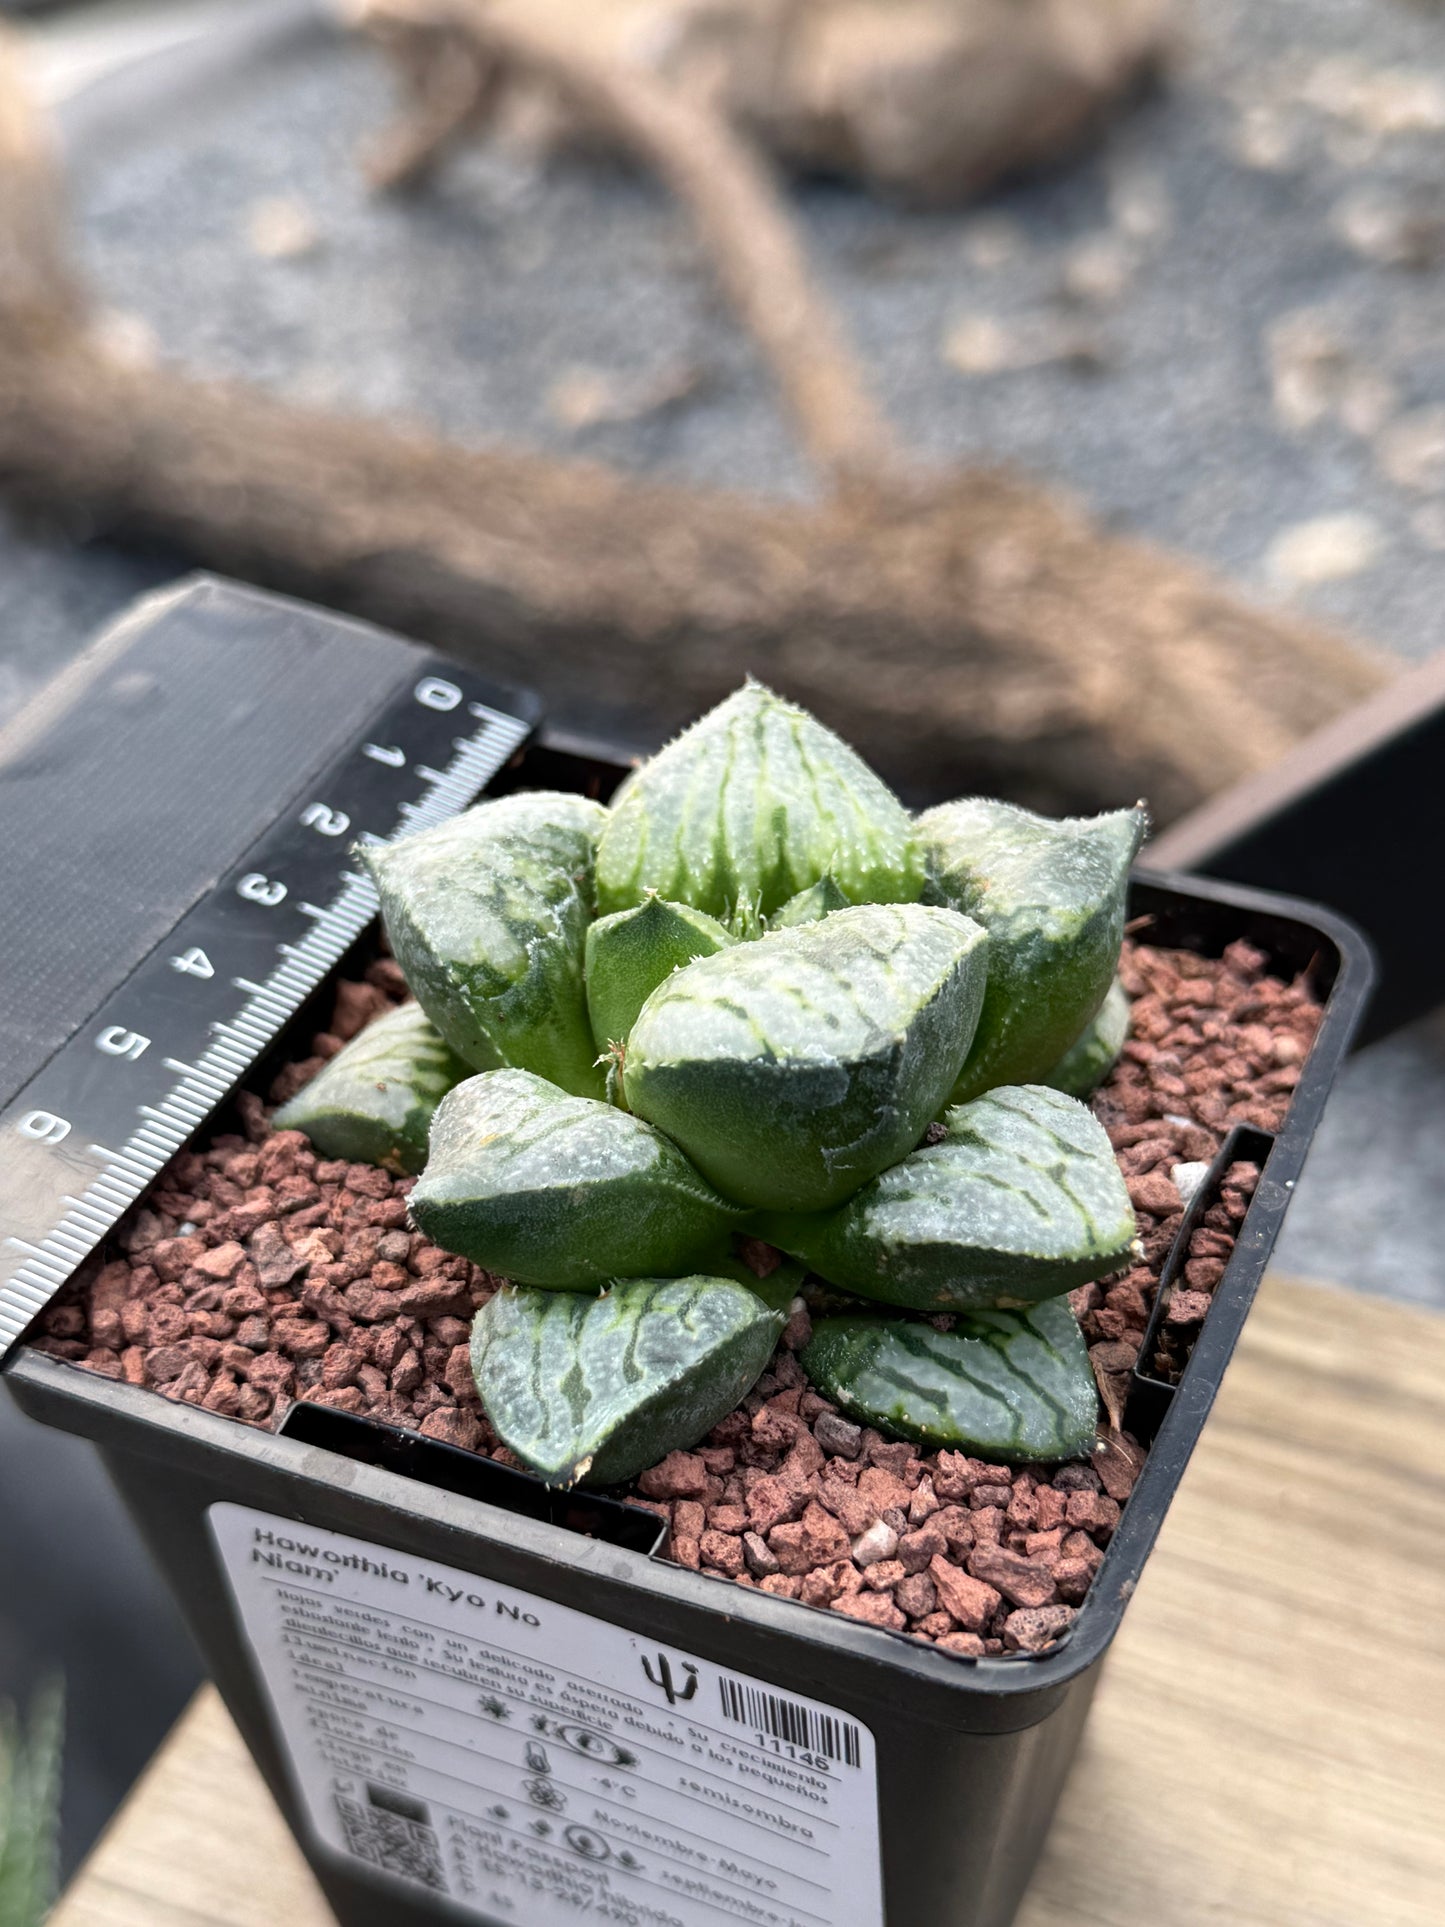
116,1414
1242,1141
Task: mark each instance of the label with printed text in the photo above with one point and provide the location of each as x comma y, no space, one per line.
540,1767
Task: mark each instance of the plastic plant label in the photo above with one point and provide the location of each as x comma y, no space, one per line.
537,1766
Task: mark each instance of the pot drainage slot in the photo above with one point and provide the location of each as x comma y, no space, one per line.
1154,1388
450,1469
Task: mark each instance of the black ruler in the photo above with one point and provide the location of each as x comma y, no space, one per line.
144,983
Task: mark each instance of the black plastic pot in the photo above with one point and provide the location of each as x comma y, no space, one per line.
970,1755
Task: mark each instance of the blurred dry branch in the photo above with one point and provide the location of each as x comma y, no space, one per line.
740,218
964,628
928,100
39,295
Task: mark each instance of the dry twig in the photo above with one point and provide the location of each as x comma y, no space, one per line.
926,100
977,632
739,216
40,297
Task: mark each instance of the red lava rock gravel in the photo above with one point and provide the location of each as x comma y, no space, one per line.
258,1273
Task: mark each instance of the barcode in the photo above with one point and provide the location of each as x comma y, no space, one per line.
790,1720
395,1834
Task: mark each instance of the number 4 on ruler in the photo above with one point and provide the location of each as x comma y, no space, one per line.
194,963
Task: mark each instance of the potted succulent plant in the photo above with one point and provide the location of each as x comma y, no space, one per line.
723,1151
753,999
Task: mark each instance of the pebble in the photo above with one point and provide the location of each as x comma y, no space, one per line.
968,1600
681,1475
760,1556
1034,1628
1026,1582
837,1435
879,1542
1187,1178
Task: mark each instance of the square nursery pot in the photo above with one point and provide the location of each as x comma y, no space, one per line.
476,1700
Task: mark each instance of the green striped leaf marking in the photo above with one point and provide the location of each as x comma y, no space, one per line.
565,1192
1051,895
793,1069
597,1389
1010,1385
754,803
1023,1199
487,914
373,1102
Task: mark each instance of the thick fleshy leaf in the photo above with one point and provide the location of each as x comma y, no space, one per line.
753,803
820,900
792,1069
373,1102
597,1389
631,952
1006,1384
487,914
1051,895
1023,1199
1083,1069
566,1192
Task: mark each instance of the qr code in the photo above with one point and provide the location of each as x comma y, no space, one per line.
394,1833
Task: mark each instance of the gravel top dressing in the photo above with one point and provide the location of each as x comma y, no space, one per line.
258,1273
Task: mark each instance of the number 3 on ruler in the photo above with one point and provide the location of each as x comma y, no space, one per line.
258,889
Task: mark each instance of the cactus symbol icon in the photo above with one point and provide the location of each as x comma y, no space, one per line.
663,1678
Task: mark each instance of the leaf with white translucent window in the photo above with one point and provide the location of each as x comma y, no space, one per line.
793,1069
1051,895
597,1389
488,914
566,1192
1007,1384
754,803
373,1102
1022,1199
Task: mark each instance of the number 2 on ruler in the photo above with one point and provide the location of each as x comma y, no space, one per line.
328,822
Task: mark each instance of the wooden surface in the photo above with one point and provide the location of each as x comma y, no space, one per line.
1268,1746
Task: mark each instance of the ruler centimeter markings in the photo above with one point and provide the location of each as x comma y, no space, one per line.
124,1093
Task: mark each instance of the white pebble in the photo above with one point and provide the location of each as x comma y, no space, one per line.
1188,1178
880,1541
1329,548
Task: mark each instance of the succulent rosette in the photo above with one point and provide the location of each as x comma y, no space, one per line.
755,999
